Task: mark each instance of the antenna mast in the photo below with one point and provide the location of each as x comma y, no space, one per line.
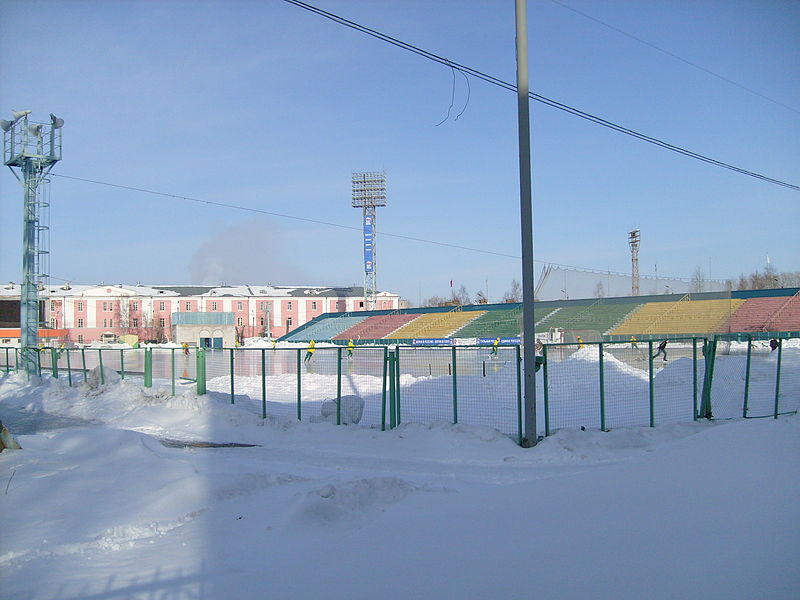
33,148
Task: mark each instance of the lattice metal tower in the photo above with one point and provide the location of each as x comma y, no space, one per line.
633,241
369,192
33,148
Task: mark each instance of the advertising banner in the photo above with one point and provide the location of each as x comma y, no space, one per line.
369,259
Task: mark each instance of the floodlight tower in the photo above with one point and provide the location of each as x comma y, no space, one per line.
369,192
633,241
33,148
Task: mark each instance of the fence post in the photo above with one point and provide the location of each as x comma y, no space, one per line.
122,363
455,387
650,377
518,354
546,397
694,379
778,377
39,360
8,365
747,377
263,383
200,358
383,388
172,363
83,362
708,380
102,369
54,362
69,369
602,391
233,400
392,390
299,378
338,385
397,413
148,367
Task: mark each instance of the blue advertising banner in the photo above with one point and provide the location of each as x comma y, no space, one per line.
369,261
432,342
506,341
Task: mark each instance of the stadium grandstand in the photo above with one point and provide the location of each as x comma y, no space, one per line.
593,319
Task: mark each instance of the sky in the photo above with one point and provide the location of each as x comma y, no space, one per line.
267,106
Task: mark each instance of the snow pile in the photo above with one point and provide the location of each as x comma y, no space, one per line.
690,510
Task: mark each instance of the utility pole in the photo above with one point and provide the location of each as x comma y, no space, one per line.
526,224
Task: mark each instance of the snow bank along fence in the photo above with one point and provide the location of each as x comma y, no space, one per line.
598,385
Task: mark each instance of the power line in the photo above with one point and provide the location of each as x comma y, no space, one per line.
673,55
338,225
537,97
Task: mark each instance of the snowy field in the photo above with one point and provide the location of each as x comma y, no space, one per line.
95,506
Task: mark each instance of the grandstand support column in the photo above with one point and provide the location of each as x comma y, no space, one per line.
526,225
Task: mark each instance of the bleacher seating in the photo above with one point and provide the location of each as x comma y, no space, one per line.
493,323
376,327
753,315
787,317
686,316
598,317
324,329
436,325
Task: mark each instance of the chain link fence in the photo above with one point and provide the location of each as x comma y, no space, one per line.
596,385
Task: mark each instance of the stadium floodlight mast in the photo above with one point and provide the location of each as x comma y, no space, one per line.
634,238
33,148
531,436
369,192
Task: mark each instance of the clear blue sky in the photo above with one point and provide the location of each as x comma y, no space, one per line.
265,105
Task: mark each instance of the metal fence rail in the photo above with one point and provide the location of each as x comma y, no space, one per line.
597,385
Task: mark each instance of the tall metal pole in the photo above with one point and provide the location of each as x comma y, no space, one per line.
526,225
29,298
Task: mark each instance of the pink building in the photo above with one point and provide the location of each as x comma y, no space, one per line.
106,312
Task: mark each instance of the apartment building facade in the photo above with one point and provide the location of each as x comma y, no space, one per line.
92,313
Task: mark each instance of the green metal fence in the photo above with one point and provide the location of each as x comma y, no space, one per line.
598,385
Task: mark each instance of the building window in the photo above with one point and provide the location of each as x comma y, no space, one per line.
80,323
288,306
105,322
239,306
313,306
6,340
105,306
80,339
161,323
262,321
135,323
111,322
134,306
160,306
360,305
289,322
188,307
52,306
263,306
80,306
52,323
239,321
213,306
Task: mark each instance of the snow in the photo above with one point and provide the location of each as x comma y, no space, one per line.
96,507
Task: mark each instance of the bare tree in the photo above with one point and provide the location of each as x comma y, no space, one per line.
698,283
480,297
461,297
599,290
515,293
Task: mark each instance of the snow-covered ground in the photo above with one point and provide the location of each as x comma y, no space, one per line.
95,506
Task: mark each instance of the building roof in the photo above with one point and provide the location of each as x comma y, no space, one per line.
12,290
